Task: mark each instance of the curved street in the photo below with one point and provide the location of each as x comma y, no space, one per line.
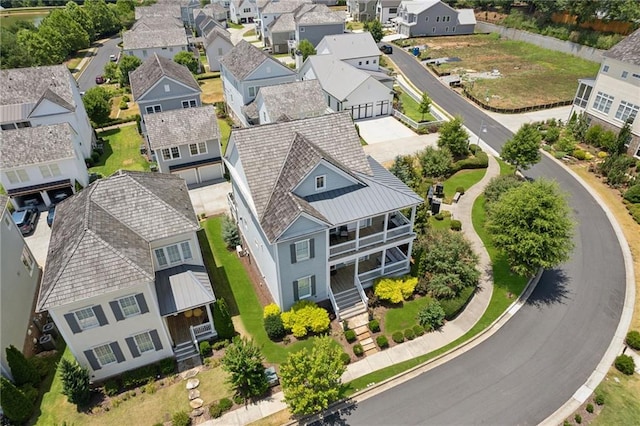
95,67
546,352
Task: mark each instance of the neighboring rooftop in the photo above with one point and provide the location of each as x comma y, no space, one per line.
628,50
318,15
36,145
294,100
349,46
180,126
101,239
245,58
148,23
282,6
418,6
148,39
466,17
337,78
214,32
155,68
162,9
22,89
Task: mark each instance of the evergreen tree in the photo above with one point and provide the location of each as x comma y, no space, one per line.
22,370
15,405
222,320
75,382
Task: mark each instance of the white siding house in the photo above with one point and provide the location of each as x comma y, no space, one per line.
242,11
217,43
433,18
143,44
145,294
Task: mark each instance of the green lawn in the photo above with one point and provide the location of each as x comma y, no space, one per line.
405,317
144,408
225,132
505,168
463,178
235,26
250,33
232,283
506,288
121,151
410,107
621,401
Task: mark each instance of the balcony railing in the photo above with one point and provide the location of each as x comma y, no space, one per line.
363,296
398,226
389,268
336,310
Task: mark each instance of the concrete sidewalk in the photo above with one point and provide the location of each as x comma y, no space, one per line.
451,331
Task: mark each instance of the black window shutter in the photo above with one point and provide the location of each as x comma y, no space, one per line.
142,303
102,320
133,348
115,347
93,361
313,285
293,253
295,291
115,307
155,338
73,324
312,248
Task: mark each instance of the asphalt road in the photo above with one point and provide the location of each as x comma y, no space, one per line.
537,361
96,66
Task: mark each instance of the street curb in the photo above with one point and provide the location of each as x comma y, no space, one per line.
617,342
428,365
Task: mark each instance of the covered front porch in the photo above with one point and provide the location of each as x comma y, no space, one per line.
184,298
349,279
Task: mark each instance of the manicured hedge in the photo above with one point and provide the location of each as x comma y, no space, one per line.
452,307
479,161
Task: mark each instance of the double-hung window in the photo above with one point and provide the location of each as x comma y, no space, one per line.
144,342
189,104
603,102
626,111
302,250
305,289
104,354
153,109
86,318
129,306
172,153
198,148
321,182
50,170
173,254
17,176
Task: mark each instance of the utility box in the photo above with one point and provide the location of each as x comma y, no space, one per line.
47,343
50,328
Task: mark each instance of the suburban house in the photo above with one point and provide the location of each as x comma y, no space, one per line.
321,219
125,281
19,278
211,12
217,43
364,93
386,10
31,97
160,84
433,18
307,22
289,101
242,11
244,70
269,12
613,97
166,42
183,8
224,3
186,142
156,10
147,23
37,163
362,10
357,49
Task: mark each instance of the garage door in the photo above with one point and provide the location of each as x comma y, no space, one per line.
189,176
210,172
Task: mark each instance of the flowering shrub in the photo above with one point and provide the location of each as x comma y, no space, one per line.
305,317
395,290
271,309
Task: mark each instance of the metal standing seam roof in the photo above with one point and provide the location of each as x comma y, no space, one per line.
100,242
466,17
35,145
628,50
295,100
183,287
351,46
149,39
155,68
182,126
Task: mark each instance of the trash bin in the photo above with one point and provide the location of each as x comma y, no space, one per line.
435,206
416,51
430,194
439,189
50,328
47,343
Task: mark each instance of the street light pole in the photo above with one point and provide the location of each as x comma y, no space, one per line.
483,129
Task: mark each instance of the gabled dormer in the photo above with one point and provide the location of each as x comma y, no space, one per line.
324,177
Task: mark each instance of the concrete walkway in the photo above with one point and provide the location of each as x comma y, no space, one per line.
451,331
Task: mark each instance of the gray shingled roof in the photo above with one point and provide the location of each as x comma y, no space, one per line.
4,204
628,50
245,58
337,78
155,68
100,242
284,24
35,145
265,150
181,126
295,100
320,14
282,6
148,39
158,10
23,88
215,32
349,46
148,23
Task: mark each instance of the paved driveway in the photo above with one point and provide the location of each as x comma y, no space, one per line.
211,198
385,152
38,241
376,130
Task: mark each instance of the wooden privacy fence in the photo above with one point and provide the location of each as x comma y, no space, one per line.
488,107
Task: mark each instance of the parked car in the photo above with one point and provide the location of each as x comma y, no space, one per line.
99,79
51,215
26,219
58,197
113,58
385,48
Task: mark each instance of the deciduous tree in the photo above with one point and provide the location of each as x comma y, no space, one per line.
306,48
127,64
435,163
311,380
425,105
523,149
243,361
532,226
97,102
375,28
188,60
454,137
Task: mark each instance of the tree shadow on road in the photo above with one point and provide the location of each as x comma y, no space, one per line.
551,289
336,416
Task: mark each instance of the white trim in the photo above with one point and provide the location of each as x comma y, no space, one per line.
323,180
107,345
308,250
78,320
308,277
132,297
330,166
135,341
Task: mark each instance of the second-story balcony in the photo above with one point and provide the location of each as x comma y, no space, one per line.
369,232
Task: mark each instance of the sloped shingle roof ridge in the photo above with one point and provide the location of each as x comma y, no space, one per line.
627,50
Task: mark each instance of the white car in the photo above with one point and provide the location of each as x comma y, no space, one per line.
113,58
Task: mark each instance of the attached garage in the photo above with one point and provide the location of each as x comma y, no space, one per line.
210,172
189,175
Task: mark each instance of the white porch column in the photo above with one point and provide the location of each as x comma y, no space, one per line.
386,226
357,235
409,253
355,269
384,260
413,216
45,198
208,308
